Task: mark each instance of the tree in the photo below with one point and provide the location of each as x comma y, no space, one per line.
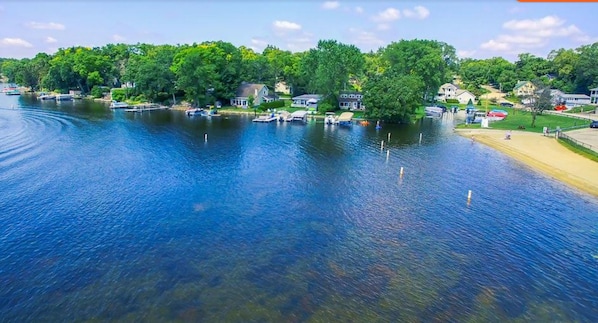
392,97
539,101
250,102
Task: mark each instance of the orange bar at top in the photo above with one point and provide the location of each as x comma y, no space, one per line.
557,0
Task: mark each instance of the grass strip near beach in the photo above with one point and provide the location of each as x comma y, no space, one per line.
578,149
520,119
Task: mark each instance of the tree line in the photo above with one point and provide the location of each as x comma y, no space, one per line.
395,79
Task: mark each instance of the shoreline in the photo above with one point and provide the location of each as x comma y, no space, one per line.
543,154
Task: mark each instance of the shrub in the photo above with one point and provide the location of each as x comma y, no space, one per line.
98,91
272,105
452,101
119,94
326,107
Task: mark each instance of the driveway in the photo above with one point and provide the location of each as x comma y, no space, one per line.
587,136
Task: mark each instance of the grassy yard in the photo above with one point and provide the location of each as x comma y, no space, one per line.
518,118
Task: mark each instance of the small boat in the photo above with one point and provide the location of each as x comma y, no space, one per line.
330,118
268,117
345,119
195,112
118,105
12,91
45,96
284,116
434,112
64,97
300,115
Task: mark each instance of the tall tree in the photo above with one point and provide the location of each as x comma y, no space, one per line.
392,97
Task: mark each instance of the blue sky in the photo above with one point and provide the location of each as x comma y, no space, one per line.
478,29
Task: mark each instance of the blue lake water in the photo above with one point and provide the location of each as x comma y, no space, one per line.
109,215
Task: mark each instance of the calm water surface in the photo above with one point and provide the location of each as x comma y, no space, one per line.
135,217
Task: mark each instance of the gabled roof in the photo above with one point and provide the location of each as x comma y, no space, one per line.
247,89
445,85
459,92
520,84
575,96
308,96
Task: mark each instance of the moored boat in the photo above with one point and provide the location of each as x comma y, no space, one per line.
118,105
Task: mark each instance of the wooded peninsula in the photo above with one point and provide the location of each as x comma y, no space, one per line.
395,80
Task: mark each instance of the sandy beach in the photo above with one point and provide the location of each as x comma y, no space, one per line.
542,153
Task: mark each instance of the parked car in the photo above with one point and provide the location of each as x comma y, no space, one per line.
594,124
560,108
506,104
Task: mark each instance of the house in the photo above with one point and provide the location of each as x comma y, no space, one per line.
464,96
574,100
447,91
306,101
245,90
282,87
594,96
350,100
555,97
524,88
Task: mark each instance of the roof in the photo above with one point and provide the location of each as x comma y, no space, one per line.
520,84
247,89
299,114
448,85
459,92
575,96
594,89
350,92
345,116
308,96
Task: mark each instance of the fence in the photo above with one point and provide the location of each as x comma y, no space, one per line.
561,135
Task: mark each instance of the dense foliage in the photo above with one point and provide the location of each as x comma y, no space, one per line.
395,80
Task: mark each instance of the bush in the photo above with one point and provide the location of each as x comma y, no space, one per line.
452,101
326,107
272,105
119,94
98,91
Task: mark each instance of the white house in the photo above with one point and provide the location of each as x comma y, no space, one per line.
574,100
306,101
524,88
282,87
464,96
447,91
245,90
594,96
350,100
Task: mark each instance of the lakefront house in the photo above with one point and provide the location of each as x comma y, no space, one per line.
350,100
447,91
524,88
306,101
245,90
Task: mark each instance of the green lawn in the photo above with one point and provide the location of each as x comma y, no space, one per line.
517,118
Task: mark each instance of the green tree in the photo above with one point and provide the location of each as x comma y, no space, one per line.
539,101
392,97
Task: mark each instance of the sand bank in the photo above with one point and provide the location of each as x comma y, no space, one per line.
542,153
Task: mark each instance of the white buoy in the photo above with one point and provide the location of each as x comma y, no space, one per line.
382,145
389,136
469,195
420,137
401,172
205,137
387,154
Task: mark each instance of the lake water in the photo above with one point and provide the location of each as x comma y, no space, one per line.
109,215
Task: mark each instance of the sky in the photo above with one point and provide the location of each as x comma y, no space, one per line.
477,29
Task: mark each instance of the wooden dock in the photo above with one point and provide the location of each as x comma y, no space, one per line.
147,107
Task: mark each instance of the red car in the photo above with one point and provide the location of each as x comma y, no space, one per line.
560,108
497,114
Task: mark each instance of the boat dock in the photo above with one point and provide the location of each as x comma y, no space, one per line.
147,107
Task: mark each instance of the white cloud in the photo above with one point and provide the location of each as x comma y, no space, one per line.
418,12
15,42
359,10
527,34
283,25
495,45
301,43
365,39
383,27
465,53
50,40
528,25
388,15
330,5
45,26
118,38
